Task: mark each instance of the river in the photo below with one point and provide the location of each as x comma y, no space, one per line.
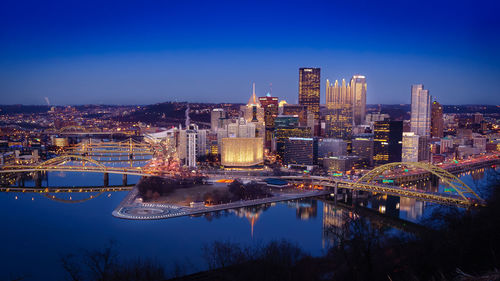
37,231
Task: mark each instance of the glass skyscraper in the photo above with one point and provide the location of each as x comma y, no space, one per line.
309,93
358,88
339,104
420,111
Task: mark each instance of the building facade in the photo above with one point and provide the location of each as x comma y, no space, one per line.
358,88
309,89
242,152
410,147
420,121
270,105
387,141
301,151
436,120
339,105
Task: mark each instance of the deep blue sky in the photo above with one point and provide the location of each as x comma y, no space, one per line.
140,52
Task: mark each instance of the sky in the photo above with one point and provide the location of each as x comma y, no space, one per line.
143,52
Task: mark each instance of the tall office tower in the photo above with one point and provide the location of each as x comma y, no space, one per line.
309,93
420,111
436,120
296,109
387,141
410,147
339,104
270,105
358,88
217,118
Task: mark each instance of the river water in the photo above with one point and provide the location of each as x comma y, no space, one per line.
37,231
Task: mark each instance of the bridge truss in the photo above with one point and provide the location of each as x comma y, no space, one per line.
446,177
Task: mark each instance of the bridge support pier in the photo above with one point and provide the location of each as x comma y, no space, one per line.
106,179
124,179
38,179
335,191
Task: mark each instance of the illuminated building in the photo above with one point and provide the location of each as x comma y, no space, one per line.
339,104
479,143
331,147
358,88
420,121
60,142
296,109
410,147
242,152
362,146
387,141
446,145
253,111
270,105
301,151
217,119
436,120
424,149
339,163
236,129
309,89
212,144
192,143
286,127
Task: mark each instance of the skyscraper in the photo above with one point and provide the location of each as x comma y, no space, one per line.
309,93
388,138
270,105
436,120
358,88
217,118
339,104
420,111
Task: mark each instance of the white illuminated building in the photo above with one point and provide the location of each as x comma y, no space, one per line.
410,147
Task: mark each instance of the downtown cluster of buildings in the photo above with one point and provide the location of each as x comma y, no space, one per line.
337,136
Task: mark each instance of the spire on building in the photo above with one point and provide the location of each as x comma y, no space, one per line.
253,101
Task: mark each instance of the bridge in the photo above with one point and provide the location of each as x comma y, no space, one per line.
98,148
77,130
50,192
88,165
369,183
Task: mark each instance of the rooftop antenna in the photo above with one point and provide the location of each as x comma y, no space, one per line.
253,88
271,88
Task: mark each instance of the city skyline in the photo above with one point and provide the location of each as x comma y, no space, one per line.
77,54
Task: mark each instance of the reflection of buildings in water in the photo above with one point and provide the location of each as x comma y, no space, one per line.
413,208
252,213
333,223
305,208
477,175
386,204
